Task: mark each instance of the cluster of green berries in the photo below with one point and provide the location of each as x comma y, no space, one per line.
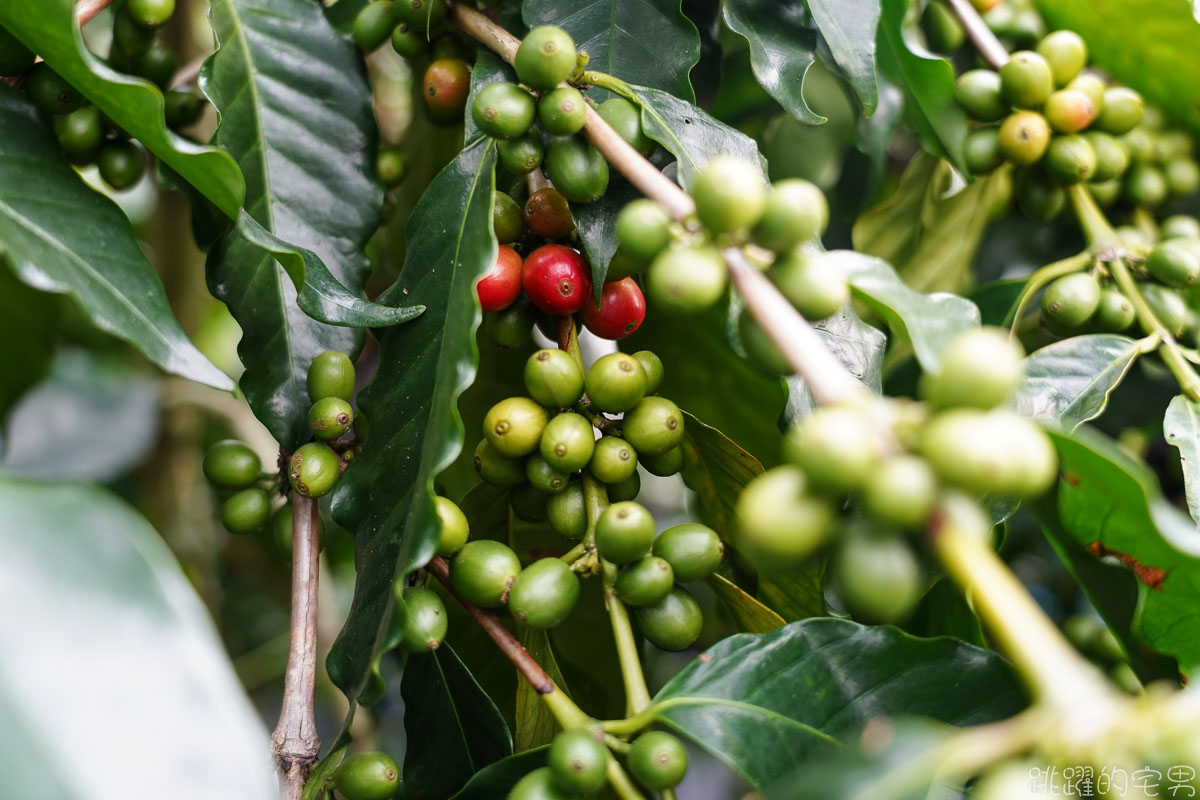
1016,22
368,775
578,758
1162,166
897,462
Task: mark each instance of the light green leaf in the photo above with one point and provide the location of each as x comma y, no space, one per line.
1181,428
536,725
848,27
1069,382
783,45
750,615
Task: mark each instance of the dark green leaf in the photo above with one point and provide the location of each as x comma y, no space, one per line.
1181,429
342,14
716,469
874,133
856,344
453,728
498,779
111,633
750,615
944,611
783,45
799,594
134,104
763,702
30,317
928,83
386,497
926,321
317,786
1068,383
50,227
649,42
597,226
536,725
587,655
996,299
848,27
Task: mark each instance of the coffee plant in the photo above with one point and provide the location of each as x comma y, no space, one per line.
716,399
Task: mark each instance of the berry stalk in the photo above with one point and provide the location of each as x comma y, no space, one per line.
990,48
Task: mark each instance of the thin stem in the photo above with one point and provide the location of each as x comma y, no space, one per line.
990,48
295,741
575,553
620,781
602,80
86,10
1039,279
637,695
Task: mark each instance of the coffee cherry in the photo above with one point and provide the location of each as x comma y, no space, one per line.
664,464
80,134
501,286
1145,185
1123,110
120,164
1066,53
624,532
578,760
331,374
613,460
453,528
409,41
1112,159
447,85
978,92
508,221
374,25
627,489
246,511
514,426
150,13
540,785
1169,306
778,524
181,109
313,470
1071,300
980,368
760,350
877,576
545,58
1139,144
422,618
15,57
796,211
1115,313
554,378
694,551
673,623
1105,193
643,229
510,327
1174,264
658,760
1039,194
544,477
836,446
1026,80
330,417
1092,85
483,572
562,111
943,32
1183,176
653,367
422,15
556,279
1179,226
576,168
730,194
1024,137
615,383
369,775
547,214
157,65
130,38
645,581
811,284
522,154
626,119
653,426
49,92
1069,111
1070,159
544,594
497,469
687,278
981,151
621,311
567,512
996,451
901,492
503,110
568,442
231,464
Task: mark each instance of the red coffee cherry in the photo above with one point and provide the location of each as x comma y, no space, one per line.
622,309
557,279
502,283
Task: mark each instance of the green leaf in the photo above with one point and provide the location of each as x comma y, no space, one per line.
305,141
386,497
800,594
783,45
1181,429
1069,382
536,726
944,611
111,655
997,298
1147,44
848,27
859,347
909,229
317,786
50,225
596,224
928,83
342,14
749,614
763,702
134,104
649,42
926,321
30,317
716,469
498,779
453,728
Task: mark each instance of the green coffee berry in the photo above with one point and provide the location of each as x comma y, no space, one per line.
423,619
514,426
1123,110
1112,159
1024,137
120,164
246,511
503,110
541,784
665,464
1105,193
981,151
1179,226
130,38
1026,79
878,576
624,532
528,504
483,572
943,32
978,92
658,760
1071,300
568,442
652,365
522,154
901,492
1066,53
508,220
980,368
545,58
567,512
408,41
509,327
554,378
423,16
645,581
730,194
1092,85
577,169
1115,313
1169,306
795,212
989,452
1069,110
544,593
836,446
627,489
811,283
544,477
1183,176
453,528
579,761
231,464
778,523
643,229
314,469
1174,264
374,25
673,623
369,775
150,13
496,468
653,426
157,65
562,111
331,374
687,278
1070,158
330,417
613,460
1145,185
626,119
615,383
694,551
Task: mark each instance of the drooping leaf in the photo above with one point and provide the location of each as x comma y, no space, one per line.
1181,429
319,784
536,725
60,236
859,346
763,702
928,83
31,317
1068,383
498,779
849,30
783,45
587,655
716,469
750,615
134,104
94,581
454,729
648,42
386,497
926,321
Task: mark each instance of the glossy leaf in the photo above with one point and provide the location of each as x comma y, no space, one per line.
1181,429
318,787
783,45
453,728
536,725
763,702
1069,382
926,321
716,469
649,42
596,224
859,346
928,83
497,779
98,588
50,224
386,497
31,317
750,615
849,30
133,103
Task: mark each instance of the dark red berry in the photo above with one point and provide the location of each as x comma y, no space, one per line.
556,279
502,283
622,309
547,214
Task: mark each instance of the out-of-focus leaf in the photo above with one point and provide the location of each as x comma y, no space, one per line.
1181,428
856,344
497,779
996,299
536,725
716,469
944,611
1069,382
783,45
750,615
30,317
848,27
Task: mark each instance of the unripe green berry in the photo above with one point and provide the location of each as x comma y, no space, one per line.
902,492
567,512
545,58
408,41
1071,300
978,92
528,504
795,212
568,442
615,383
246,511
314,470
483,572
627,489
626,119
664,464
231,464
150,13
453,529
652,365
1123,110
653,426
522,154
1024,137
120,164
503,110
1093,86
645,581
579,761
331,374
514,426
981,151
374,25
1026,80
577,169
1069,110
1066,53
673,623
1070,159
687,278
1183,176
980,368
541,784
730,194
1169,306
1112,159
989,452
330,417
643,229
562,111
878,576
836,446
811,283
778,523
624,532
369,775
694,551
1145,185
422,618
554,378
508,220
613,460
1115,313
658,760
1105,193
1174,264
544,593
497,469
423,16
1179,226
544,477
